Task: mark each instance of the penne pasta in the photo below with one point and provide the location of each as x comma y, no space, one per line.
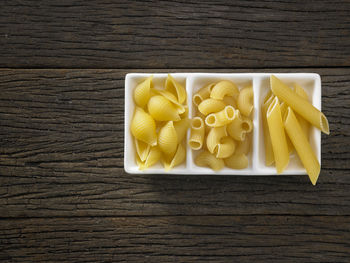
214,136
245,101
283,108
225,148
299,104
304,124
301,145
162,109
167,138
202,94
237,161
142,92
278,137
224,88
143,127
197,133
211,105
175,88
269,157
206,159
221,118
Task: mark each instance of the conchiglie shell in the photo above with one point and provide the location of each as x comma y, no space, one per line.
152,158
184,115
171,97
142,92
237,161
175,88
143,127
167,139
178,158
206,159
162,109
181,128
142,149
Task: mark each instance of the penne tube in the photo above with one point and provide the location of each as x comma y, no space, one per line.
304,124
301,145
299,104
278,137
269,158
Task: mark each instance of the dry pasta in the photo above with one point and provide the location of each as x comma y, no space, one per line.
211,105
178,158
214,136
181,128
143,127
197,133
245,100
269,157
304,124
176,88
142,149
202,94
239,127
225,148
206,159
142,92
220,118
302,146
230,101
167,138
152,158
224,88
237,161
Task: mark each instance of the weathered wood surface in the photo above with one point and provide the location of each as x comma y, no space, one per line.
61,140
174,34
177,239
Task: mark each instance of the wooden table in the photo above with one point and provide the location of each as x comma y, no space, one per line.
64,195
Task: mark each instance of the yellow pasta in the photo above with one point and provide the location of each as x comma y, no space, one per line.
167,138
181,128
245,101
231,101
162,109
202,94
244,146
214,136
224,88
143,127
239,126
176,88
142,92
178,158
278,137
142,149
283,107
185,113
171,97
197,133
152,158
206,159
301,145
299,104
220,118
305,126
211,105
269,158
237,161
225,148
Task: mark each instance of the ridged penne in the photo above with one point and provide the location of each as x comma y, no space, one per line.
142,149
283,107
175,88
214,136
152,158
202,94
245,100
224,88
230,101
299,104
181,128
237,161
143,127
161,109
225,148
179,157
278,137
301,145
304,124
197,133
239,126
142,92
167,138
211,105
220,118
269,157
206,159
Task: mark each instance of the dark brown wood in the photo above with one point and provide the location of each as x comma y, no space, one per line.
177,239
61,148
174,34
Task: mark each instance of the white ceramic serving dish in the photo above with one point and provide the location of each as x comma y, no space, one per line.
311,82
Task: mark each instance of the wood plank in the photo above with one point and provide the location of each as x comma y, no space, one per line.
177,239
61,154
174,34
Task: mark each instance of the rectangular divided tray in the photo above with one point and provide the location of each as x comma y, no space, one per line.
311,82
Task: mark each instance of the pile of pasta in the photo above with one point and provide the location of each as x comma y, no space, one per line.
160,124
222,125
287,114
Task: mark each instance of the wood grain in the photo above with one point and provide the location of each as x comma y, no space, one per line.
61,154
177,239
174,34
